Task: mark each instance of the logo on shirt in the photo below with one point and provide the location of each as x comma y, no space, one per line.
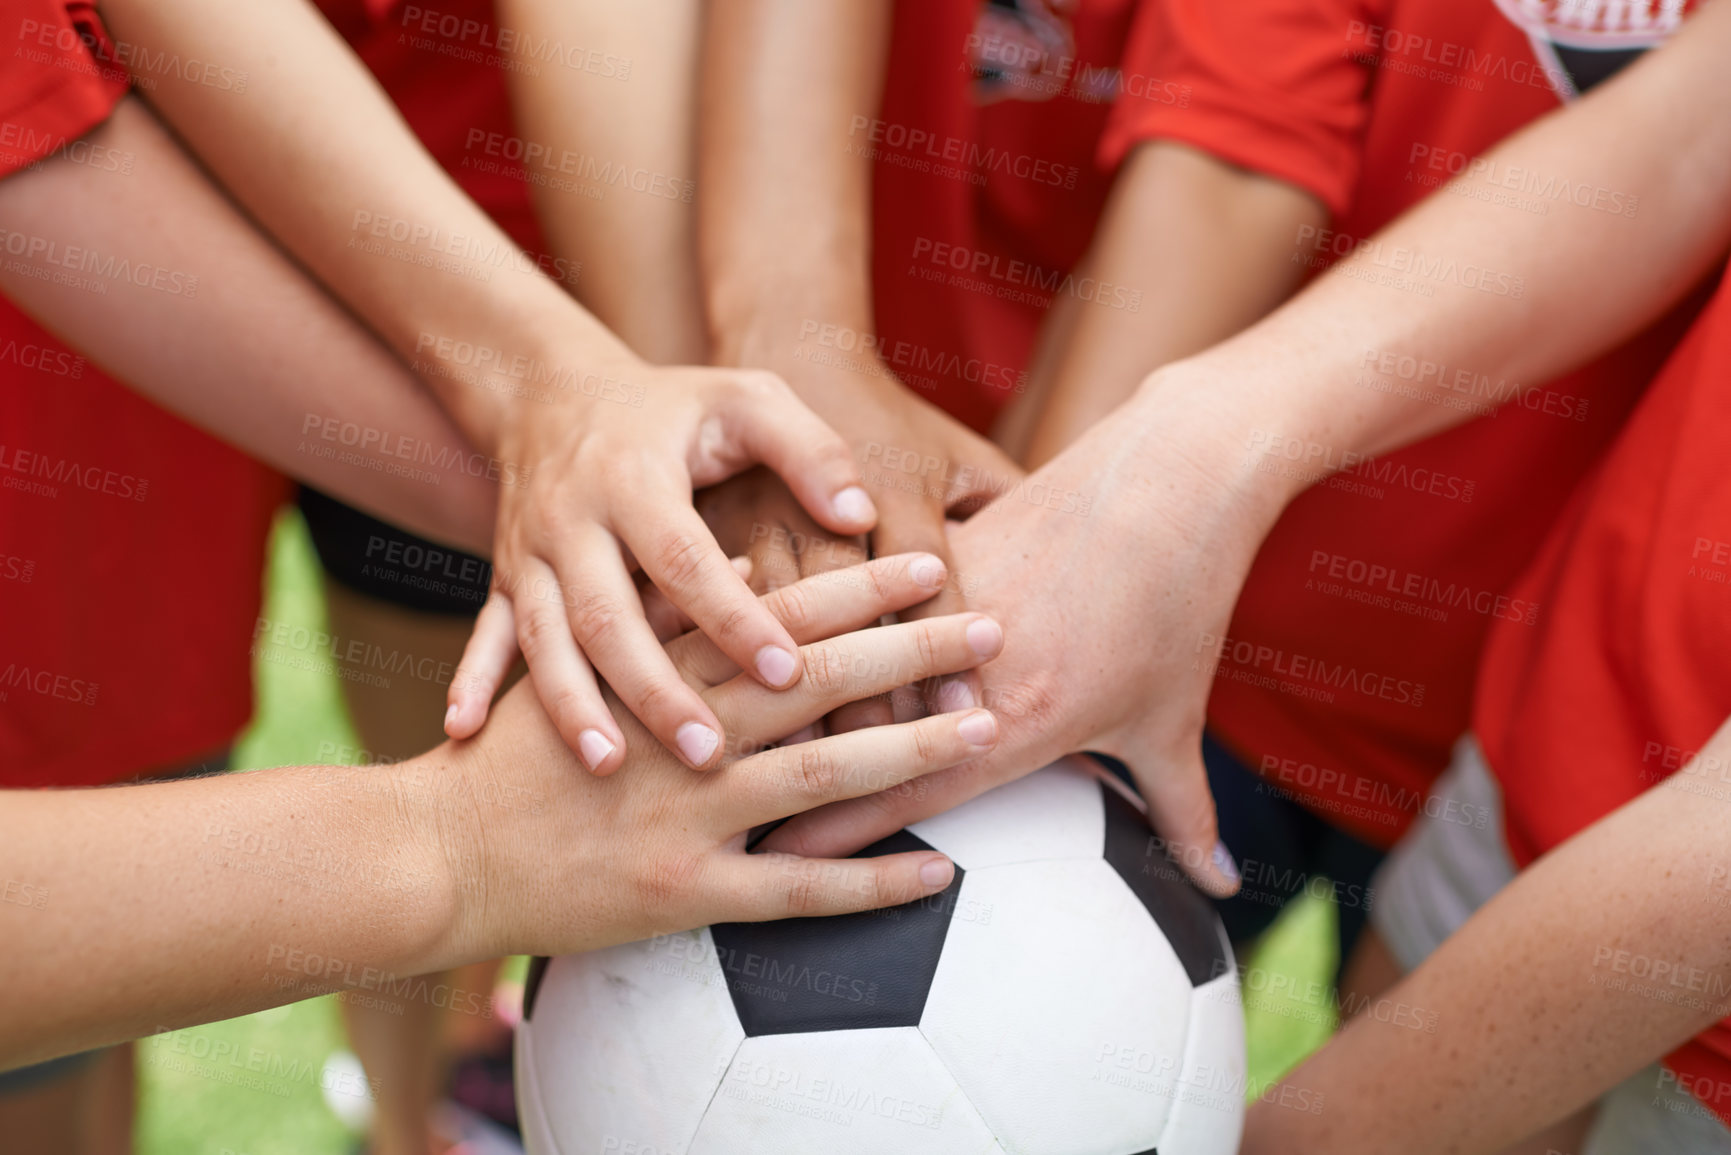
1585,42
1021,50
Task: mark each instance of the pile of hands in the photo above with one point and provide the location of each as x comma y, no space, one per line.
731,619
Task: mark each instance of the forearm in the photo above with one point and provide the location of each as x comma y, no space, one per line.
382,225
162,905
234,337
1492,292
1542,971
785,215
1203,248
636,248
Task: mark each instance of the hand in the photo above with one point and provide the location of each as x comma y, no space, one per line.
921,467
659,849
755,516
1134,551
603,484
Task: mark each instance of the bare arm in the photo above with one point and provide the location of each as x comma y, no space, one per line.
253,350
785,241
131,909
1209,246
312,147
1167,495
1541,971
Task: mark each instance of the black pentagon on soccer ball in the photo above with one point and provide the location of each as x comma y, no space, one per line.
1183,914
846,972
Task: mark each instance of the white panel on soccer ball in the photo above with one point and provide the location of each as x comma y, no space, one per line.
863,1092
627,1045
1051,813
1061,1010
1208,1108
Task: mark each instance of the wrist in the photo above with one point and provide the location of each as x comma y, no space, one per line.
433,794
1179,413
769,325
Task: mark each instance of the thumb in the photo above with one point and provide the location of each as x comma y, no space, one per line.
773,426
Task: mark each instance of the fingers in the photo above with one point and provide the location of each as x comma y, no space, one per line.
487,658
665,618
773,886
562,677
862,664
913,524
774,426
844,827
1181,810
791,779
823,606
677,551
608,623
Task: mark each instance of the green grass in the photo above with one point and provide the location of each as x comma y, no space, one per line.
194,1100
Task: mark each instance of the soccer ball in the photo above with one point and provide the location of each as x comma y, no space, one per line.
1068,994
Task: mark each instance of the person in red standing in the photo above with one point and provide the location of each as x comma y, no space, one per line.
1334,694
134,553
1570,954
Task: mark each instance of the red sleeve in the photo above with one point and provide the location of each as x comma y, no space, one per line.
1278,87
60,80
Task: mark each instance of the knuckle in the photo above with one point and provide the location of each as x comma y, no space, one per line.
537,633
826,671
668,880
597,620
819,775
679,560
928,746
794,609
928,647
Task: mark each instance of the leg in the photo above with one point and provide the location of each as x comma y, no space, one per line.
79,1105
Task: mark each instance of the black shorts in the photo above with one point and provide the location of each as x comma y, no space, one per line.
376,558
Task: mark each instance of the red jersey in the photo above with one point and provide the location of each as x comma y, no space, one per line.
131,544
1627,675
985,189
1347,671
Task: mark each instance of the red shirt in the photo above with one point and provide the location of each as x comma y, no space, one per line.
131,544
1347,671
1628,674
985,189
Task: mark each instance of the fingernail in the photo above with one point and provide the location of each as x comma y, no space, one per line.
986,637
775,665
927,571
955,695
979,729
854,506
450,715
1223,864
937,872
594,748
696,741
